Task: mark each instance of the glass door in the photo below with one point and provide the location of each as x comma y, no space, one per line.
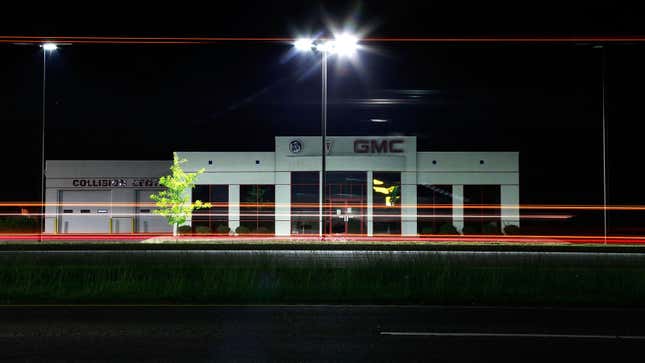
345,217
346,203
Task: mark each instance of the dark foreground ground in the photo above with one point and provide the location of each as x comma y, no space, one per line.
321,333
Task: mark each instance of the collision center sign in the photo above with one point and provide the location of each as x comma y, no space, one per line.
115,183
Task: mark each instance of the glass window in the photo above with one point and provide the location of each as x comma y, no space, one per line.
482,212
257,208
214,219
434,209
386,198
305,198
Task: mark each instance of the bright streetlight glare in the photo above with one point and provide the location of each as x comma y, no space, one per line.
327,46
50,46
304,44
345,44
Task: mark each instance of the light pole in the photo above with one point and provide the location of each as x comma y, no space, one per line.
603,79
342,45
47,47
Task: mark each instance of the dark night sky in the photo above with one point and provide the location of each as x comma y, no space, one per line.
143,102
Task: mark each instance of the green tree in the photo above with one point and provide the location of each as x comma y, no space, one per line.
173,203
395,195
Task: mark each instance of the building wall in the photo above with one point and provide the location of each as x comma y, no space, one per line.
483,168
453,168
120,179
368,154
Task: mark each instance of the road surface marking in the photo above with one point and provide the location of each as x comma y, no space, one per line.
515,335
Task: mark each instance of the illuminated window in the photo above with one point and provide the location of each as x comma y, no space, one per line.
386,198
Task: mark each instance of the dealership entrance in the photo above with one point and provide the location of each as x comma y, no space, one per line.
345,218
346,196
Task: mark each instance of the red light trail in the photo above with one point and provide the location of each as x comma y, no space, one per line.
570,207
38,39
491,239
521,239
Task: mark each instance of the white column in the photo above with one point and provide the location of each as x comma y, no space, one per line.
458,206
52,217
283,204
510,200
370,204
233,206
408,203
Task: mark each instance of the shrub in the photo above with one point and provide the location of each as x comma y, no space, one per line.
203,229
263,230
471,229
511,229
427,230
18,224
448,228
490,228
223,229
185,229
242,230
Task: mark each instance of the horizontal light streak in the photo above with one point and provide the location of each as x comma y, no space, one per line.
435,39
348,205
224,204
516,335
294,215
268,237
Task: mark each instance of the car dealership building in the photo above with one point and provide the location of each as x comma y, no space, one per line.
374,185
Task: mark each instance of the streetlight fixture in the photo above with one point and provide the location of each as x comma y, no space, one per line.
50,46
47,47
343,45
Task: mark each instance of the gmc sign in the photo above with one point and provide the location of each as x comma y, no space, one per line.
392,146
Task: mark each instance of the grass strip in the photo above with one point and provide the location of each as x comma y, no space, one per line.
380,280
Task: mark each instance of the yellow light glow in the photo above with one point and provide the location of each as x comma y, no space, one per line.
382,190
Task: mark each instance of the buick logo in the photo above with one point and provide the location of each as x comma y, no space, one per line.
295,146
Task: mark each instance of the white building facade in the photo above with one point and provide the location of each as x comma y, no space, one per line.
102,196
374,186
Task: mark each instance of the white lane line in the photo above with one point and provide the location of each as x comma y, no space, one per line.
515,335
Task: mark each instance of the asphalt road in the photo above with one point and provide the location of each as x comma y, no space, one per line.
321,333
